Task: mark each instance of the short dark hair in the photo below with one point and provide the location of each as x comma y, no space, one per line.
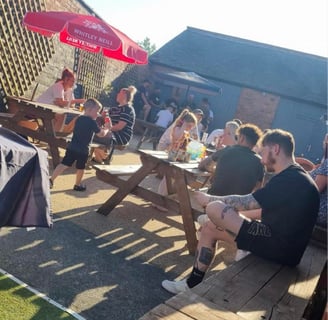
281,137
251,132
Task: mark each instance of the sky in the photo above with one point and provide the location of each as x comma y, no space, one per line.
301,25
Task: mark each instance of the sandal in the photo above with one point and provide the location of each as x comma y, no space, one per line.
79,188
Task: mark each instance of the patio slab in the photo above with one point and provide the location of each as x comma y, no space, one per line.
103,267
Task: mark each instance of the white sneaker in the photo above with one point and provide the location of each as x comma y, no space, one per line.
240,254
175,287
202,219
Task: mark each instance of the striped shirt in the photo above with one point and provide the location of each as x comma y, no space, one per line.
123,113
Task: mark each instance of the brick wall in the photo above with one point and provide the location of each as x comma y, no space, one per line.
257,107
106,73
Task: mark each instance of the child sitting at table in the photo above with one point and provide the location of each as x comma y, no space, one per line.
78,149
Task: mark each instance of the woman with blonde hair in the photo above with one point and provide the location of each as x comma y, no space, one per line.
172,138
173,135
123,118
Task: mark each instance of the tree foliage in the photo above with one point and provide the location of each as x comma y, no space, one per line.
149,47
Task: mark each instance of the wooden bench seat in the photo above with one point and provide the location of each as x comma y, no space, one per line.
6,115
94,145
116,176
118,170
252,289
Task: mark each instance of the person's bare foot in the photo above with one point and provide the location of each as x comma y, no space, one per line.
202,198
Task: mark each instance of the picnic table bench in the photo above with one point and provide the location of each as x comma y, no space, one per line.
149,131
253,289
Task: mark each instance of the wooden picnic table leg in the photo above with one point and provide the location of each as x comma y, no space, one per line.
143,137
50,137
185,209
129,185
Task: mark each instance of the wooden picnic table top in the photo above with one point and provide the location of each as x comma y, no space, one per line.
15,102
23,111
148,124
191,167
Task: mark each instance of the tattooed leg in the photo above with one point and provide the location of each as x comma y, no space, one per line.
225,217
225,210
205,257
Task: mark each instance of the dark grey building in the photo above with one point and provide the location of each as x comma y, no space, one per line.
270,86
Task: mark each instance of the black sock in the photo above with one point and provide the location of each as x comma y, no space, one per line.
195,278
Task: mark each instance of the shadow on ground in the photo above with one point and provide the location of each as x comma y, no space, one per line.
103,267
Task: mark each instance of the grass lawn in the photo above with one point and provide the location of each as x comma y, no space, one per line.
17,302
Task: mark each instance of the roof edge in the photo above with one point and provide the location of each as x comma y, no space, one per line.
251,42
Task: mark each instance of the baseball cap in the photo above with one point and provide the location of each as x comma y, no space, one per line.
198,111
173,105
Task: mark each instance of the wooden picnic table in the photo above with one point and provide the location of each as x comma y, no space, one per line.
150,131
21,110
178,177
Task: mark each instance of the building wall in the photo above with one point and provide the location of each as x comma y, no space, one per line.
263,103
64,56
266,110
306,123
23,70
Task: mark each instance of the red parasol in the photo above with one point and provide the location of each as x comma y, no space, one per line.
86,32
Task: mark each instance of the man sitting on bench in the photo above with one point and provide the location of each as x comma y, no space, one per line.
123,118
289,203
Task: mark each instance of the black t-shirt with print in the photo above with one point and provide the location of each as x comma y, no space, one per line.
290,204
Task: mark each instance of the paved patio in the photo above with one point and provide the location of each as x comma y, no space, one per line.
102,267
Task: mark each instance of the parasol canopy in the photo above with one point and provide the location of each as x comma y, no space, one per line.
86,32
190,79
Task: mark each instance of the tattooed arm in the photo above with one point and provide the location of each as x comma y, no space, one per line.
244,202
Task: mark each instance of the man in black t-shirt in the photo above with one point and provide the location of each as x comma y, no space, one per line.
238,169
289,203
141,97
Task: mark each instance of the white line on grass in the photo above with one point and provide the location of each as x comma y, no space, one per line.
42,295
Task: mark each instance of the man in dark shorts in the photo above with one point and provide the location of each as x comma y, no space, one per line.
289,205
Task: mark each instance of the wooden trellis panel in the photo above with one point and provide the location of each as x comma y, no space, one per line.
23,53
90,69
